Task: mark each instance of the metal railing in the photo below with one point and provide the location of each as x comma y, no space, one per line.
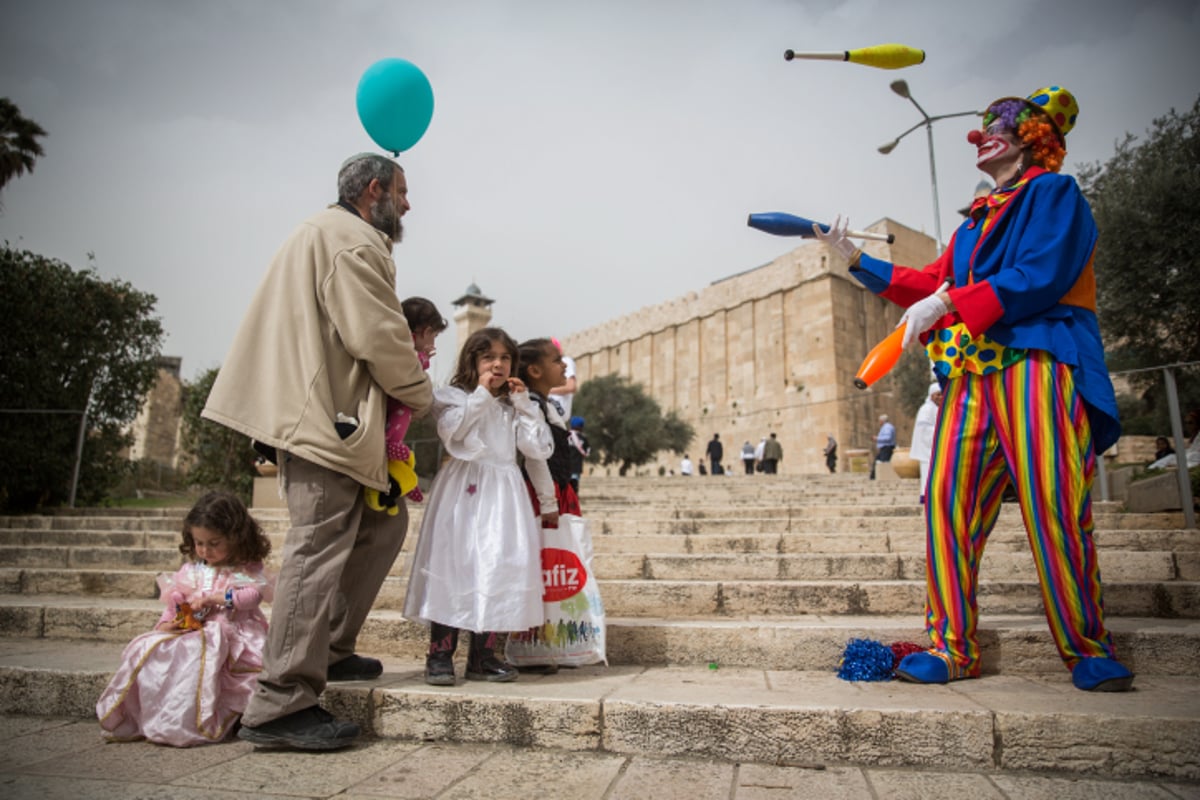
1181,464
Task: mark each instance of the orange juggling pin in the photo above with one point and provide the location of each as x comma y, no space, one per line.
881,359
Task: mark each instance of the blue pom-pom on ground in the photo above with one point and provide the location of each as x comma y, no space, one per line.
866,660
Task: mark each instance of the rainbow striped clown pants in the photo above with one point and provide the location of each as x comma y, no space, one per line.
1025,424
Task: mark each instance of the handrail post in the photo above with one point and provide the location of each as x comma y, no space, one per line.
1181,464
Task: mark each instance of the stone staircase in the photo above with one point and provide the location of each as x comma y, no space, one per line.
729,603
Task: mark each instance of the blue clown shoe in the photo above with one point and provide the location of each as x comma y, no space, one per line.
1101,675
932,666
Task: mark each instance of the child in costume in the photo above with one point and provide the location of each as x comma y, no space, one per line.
549,480
187,681
425,322
477,564
1008,316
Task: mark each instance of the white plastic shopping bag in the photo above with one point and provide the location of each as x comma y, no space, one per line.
573,632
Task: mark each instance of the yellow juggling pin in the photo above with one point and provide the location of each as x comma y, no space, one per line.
883,56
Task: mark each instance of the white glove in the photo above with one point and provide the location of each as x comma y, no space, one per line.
836,239
921,316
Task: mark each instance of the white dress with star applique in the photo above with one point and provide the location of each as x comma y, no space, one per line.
477,564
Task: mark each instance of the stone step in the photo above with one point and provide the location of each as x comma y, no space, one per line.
1183,543
1116,566
705,597
730,714
1012,561
1010,643
747,524
1105,515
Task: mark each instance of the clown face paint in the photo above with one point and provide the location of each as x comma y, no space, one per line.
998,151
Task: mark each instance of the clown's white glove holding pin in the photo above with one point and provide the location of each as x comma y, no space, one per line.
924,314
836,240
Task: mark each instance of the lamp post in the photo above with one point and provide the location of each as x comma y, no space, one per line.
901,88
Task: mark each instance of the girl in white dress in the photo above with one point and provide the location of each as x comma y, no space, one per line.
477,564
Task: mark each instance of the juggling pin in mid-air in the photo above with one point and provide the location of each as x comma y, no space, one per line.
883,56
781,224
881,359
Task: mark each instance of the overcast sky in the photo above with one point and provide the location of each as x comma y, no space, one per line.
585,159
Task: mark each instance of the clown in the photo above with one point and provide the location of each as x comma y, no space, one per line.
1008,316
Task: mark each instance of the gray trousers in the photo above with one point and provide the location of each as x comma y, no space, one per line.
335,558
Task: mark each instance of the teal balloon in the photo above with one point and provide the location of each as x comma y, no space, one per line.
395,103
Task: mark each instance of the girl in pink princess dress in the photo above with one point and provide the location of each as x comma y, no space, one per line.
187,681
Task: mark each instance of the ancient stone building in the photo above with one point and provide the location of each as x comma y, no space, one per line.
157,426
774,348
474,311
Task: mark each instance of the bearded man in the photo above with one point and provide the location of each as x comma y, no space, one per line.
1008,316
323,345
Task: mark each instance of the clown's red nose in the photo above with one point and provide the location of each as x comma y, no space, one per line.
975,137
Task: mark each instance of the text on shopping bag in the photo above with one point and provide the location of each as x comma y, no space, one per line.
563,574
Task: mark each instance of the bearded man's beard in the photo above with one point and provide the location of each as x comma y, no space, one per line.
386,220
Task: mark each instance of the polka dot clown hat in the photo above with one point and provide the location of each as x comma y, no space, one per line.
1055,102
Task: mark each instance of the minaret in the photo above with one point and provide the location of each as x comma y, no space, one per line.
474,312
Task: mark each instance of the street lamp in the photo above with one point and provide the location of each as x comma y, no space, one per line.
901,88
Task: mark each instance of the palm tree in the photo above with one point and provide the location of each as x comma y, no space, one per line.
18,142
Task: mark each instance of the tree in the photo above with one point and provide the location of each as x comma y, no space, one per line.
1146,261
18,142
627,426
221,458
72,342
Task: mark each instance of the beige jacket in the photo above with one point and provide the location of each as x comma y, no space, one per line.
323,334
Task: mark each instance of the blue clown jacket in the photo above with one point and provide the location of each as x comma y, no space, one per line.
1021,272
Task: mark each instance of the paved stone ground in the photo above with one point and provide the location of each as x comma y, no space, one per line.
51,758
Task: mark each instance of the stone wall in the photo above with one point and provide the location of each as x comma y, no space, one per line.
156,429
774,348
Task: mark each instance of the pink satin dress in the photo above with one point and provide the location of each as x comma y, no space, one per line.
188,687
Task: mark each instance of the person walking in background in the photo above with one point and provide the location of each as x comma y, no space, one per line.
187,681
772,455
758,453
922,438
715,453
830,452
885,442
321,348
685,466
478,561
748,457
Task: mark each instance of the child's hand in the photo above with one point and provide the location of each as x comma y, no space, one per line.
516,385
165,627
550,520
491,382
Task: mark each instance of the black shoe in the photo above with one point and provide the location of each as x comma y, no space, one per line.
354,668
491,669
439,669
312,728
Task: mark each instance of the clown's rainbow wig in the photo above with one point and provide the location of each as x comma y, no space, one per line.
1033,128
